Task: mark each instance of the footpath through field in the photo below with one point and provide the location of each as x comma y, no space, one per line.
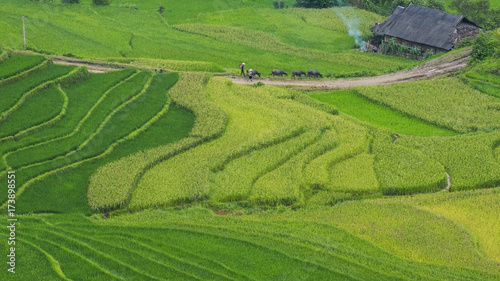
439,66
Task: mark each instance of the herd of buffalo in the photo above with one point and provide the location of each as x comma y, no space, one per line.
279,72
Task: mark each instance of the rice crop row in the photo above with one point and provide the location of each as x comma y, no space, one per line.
112,185
39,109
12,93
86,146
354,175
408,232
49,123
485,87
352,103
328,198
26,73
286,184
263,127
17,64
178,65
469,159
35,173
353,242
79,103
486,77
73,76
405,171
446,102
87,125
474,210
253,123
146,107
352,139
81,97
67,191
234,181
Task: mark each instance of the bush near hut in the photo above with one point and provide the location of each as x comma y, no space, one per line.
486,45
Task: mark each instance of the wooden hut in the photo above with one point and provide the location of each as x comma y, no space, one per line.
427,28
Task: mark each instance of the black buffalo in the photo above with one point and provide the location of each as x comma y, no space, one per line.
298,73
252,72
314,73
278,72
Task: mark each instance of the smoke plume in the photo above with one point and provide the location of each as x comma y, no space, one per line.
352,25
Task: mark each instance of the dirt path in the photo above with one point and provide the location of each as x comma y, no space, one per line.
93,67
439,66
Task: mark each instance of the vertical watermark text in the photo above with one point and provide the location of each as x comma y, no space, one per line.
11,220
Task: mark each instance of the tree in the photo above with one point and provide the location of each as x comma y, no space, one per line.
316,3
101,2
473,10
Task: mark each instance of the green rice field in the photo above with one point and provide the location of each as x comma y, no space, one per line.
183,174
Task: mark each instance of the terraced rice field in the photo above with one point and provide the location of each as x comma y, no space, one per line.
72,127
320,244
134,174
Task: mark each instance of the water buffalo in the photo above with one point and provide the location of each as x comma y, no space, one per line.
314,73
298,73
252,72
278,72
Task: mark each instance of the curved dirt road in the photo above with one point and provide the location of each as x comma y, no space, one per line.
439,66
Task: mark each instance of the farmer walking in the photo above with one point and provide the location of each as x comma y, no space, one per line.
242,67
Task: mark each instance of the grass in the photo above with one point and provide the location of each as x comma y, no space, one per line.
351,103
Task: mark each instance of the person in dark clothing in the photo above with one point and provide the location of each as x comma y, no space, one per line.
242,67
250,74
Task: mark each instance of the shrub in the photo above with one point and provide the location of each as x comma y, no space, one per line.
161,9
70,1
414,52
485,45
428,54
403,50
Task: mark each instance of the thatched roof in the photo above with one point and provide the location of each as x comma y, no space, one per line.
421,25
